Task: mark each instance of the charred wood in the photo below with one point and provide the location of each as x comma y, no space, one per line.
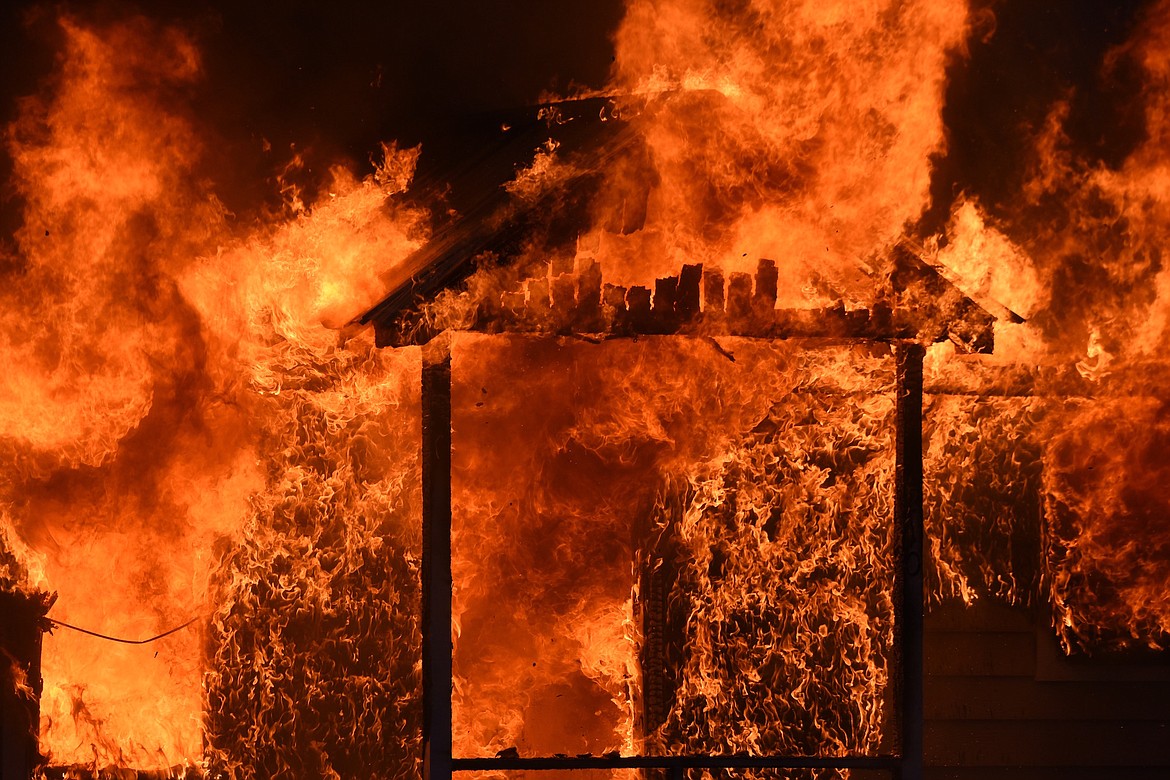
686,304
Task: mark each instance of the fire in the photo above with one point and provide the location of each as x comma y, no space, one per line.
156,418
661,545
554,539
121,464
1079,257
794,130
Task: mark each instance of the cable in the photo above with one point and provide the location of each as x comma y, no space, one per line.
59,624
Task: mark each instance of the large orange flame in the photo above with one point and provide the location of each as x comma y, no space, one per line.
159,368
191,427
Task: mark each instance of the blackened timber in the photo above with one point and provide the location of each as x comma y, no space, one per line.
538,299
638,302
564,301
739,299
767,279
589,297
436,566
665,293
908,514
713,291
671,762
21,630
686,302
929,307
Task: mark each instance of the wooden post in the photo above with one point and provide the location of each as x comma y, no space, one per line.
21,630
589,298
686,302
739,301
638,301
665,294
766,285
436,562
908,513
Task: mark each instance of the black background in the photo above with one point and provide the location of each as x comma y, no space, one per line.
335,79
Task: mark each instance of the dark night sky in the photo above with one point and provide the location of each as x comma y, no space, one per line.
338,78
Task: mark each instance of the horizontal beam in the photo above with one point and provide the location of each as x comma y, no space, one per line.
684,762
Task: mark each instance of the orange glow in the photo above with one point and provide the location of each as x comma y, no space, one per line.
156,362
662,544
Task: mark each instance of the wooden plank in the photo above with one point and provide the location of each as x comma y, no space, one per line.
983,615
980,654
1047,743
766,285
638,301
1021,698
713,291
665,294
1041,773
739,296
564,294
589,282
686,304
614,296
538,298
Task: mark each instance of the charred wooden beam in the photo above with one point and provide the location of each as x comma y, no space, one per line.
739,298
539,303
21,630
665,293
713,291
436,563
564,301
686,303
767,279
908,514
589,281
929,308
638,304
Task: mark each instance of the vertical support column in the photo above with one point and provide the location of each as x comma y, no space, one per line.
908,509
20,653
436,563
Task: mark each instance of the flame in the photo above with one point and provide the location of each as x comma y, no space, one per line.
783,564
795,130
191,425
552,532
155,428
122,464
1079,256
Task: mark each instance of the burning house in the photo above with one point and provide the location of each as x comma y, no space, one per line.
788,402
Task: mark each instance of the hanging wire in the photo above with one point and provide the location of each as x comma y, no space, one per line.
60,624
